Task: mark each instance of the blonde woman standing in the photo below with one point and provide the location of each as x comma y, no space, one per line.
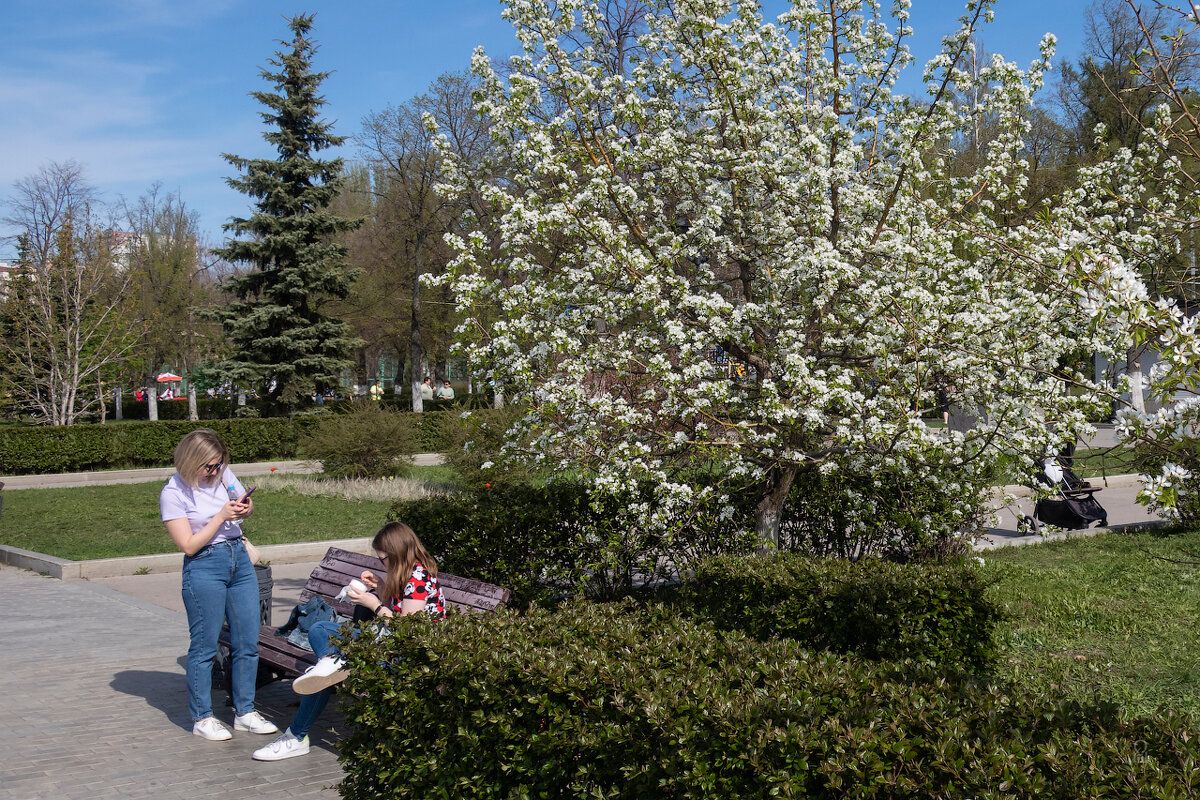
202,506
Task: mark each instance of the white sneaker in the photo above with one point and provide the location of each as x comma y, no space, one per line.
321,675
254,722
212,730
286,746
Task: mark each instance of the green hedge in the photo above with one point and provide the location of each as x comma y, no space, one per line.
936,613
39,450
544,542
611,702
81,448
518,536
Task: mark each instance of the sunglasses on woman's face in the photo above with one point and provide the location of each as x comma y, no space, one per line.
212,469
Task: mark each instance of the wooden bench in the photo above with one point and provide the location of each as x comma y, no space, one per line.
278,658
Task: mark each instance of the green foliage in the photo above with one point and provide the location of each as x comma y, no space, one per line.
80,448
206,408
283,343
474,439
932,613
888,512
366,442
1150,458
609,701
525,538
564,537
543,542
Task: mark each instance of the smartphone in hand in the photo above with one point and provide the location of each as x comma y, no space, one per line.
246,496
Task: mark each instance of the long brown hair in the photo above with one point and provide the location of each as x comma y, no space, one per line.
403,550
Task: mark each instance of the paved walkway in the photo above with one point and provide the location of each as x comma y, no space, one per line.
95,706
95,703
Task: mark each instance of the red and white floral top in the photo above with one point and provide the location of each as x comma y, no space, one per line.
422,586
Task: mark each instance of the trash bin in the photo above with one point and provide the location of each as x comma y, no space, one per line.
266,586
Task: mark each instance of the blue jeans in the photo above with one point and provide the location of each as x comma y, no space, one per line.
219,583
311,705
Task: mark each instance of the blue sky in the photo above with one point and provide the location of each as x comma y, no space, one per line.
139,91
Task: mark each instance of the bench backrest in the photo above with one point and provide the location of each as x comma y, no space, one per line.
339,566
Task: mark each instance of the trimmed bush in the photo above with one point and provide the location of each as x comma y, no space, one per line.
366,442
79,448
883,510
518,536
934,613
544,542
609,701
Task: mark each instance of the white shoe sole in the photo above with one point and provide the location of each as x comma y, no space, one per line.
311,684
271,755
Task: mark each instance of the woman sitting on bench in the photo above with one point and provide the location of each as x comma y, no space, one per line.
412,586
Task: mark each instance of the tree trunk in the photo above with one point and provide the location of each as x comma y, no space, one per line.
118,412
1133,368
192,413
415,354
769,511
152,400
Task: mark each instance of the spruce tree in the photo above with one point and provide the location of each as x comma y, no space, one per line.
282,342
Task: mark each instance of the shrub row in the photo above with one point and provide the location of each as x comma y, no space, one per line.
935,613
79,448
616,702
551,540
530,539
546,542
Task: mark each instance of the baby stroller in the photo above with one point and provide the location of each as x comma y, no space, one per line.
1072,505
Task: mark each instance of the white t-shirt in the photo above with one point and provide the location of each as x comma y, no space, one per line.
178,500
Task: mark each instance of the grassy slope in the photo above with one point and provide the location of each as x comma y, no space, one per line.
1104,619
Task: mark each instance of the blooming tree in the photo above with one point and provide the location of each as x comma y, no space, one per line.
747,254
1136,211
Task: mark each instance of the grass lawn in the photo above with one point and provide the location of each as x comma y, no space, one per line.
122,519
1104,620
1104,461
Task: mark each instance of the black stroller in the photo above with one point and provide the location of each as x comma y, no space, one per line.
1072,505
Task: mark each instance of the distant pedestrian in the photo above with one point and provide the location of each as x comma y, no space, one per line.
203,505
426,390
445,391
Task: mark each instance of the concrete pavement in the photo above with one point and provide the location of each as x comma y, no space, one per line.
95,706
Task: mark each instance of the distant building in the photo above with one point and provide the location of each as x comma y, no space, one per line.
122,244
6,271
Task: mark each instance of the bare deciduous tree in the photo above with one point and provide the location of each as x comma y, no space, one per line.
63,314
